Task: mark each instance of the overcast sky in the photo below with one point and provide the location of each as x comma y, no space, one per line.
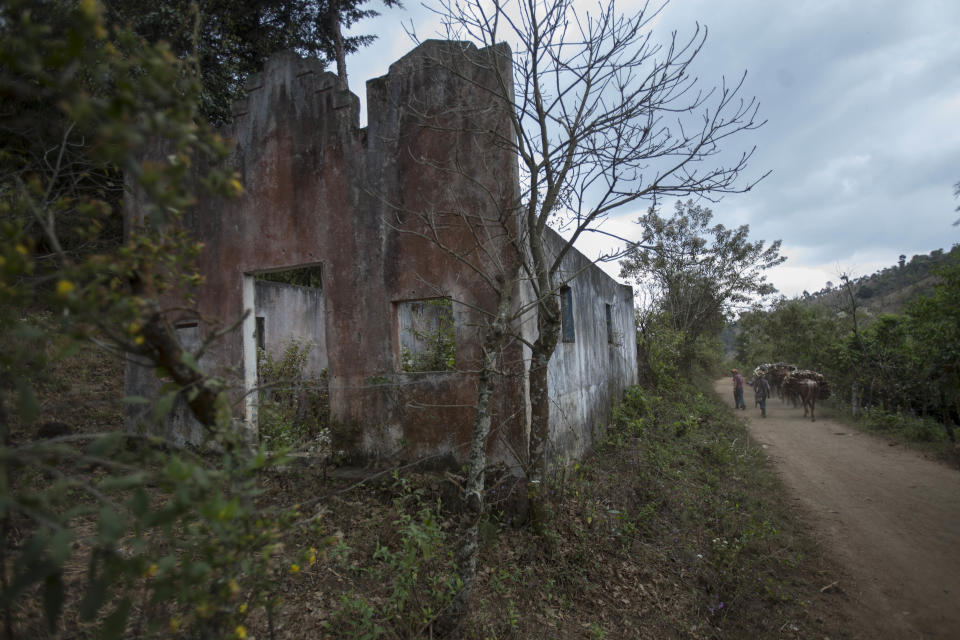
862,102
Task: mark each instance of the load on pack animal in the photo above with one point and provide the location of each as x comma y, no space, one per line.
775,373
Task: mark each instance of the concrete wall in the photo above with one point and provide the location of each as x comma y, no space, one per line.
589,374
358,202
292,312
321,191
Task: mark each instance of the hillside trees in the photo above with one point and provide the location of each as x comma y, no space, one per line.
154,523
935,325
789,330
698,272
899,363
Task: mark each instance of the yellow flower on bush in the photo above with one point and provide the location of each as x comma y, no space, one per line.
242,608
312,556
240,632
151,571
65,287
294,568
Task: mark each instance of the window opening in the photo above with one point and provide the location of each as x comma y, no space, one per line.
301,276
609,316
426,335
188,333
260,333
566,315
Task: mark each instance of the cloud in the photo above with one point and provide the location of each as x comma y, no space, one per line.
862,101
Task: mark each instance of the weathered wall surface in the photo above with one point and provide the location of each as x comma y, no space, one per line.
390,213
431,171
291,312
321,191
589,374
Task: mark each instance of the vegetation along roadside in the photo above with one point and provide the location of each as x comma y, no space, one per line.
673,527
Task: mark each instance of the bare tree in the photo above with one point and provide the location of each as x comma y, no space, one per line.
462,200
602,115
594,115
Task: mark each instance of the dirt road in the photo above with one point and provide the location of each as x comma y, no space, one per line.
890,517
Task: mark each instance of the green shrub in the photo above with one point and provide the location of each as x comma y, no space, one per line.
417,577
294,409
435,341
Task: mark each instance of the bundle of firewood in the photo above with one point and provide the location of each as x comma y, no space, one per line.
792,382
774,371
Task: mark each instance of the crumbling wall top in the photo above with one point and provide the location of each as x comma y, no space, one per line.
295,94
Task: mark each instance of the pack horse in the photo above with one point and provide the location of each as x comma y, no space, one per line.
808,391
806,387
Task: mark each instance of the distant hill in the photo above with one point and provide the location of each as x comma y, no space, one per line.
889,290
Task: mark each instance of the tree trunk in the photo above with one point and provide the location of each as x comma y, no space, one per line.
338,48
162,347
468,547
543,348
854,398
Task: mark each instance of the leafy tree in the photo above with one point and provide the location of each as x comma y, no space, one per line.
886,354
229,41
935,326
789,331
170,538
698,273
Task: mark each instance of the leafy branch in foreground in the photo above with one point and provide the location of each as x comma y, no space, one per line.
173,542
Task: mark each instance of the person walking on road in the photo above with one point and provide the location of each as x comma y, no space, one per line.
761,390
738,389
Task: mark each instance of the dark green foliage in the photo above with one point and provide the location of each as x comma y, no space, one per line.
229,41
431,334
789,331
900,364
697,273
294,409
172,541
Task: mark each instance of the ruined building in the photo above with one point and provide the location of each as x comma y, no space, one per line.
405,226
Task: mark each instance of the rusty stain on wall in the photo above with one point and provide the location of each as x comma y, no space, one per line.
319,190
